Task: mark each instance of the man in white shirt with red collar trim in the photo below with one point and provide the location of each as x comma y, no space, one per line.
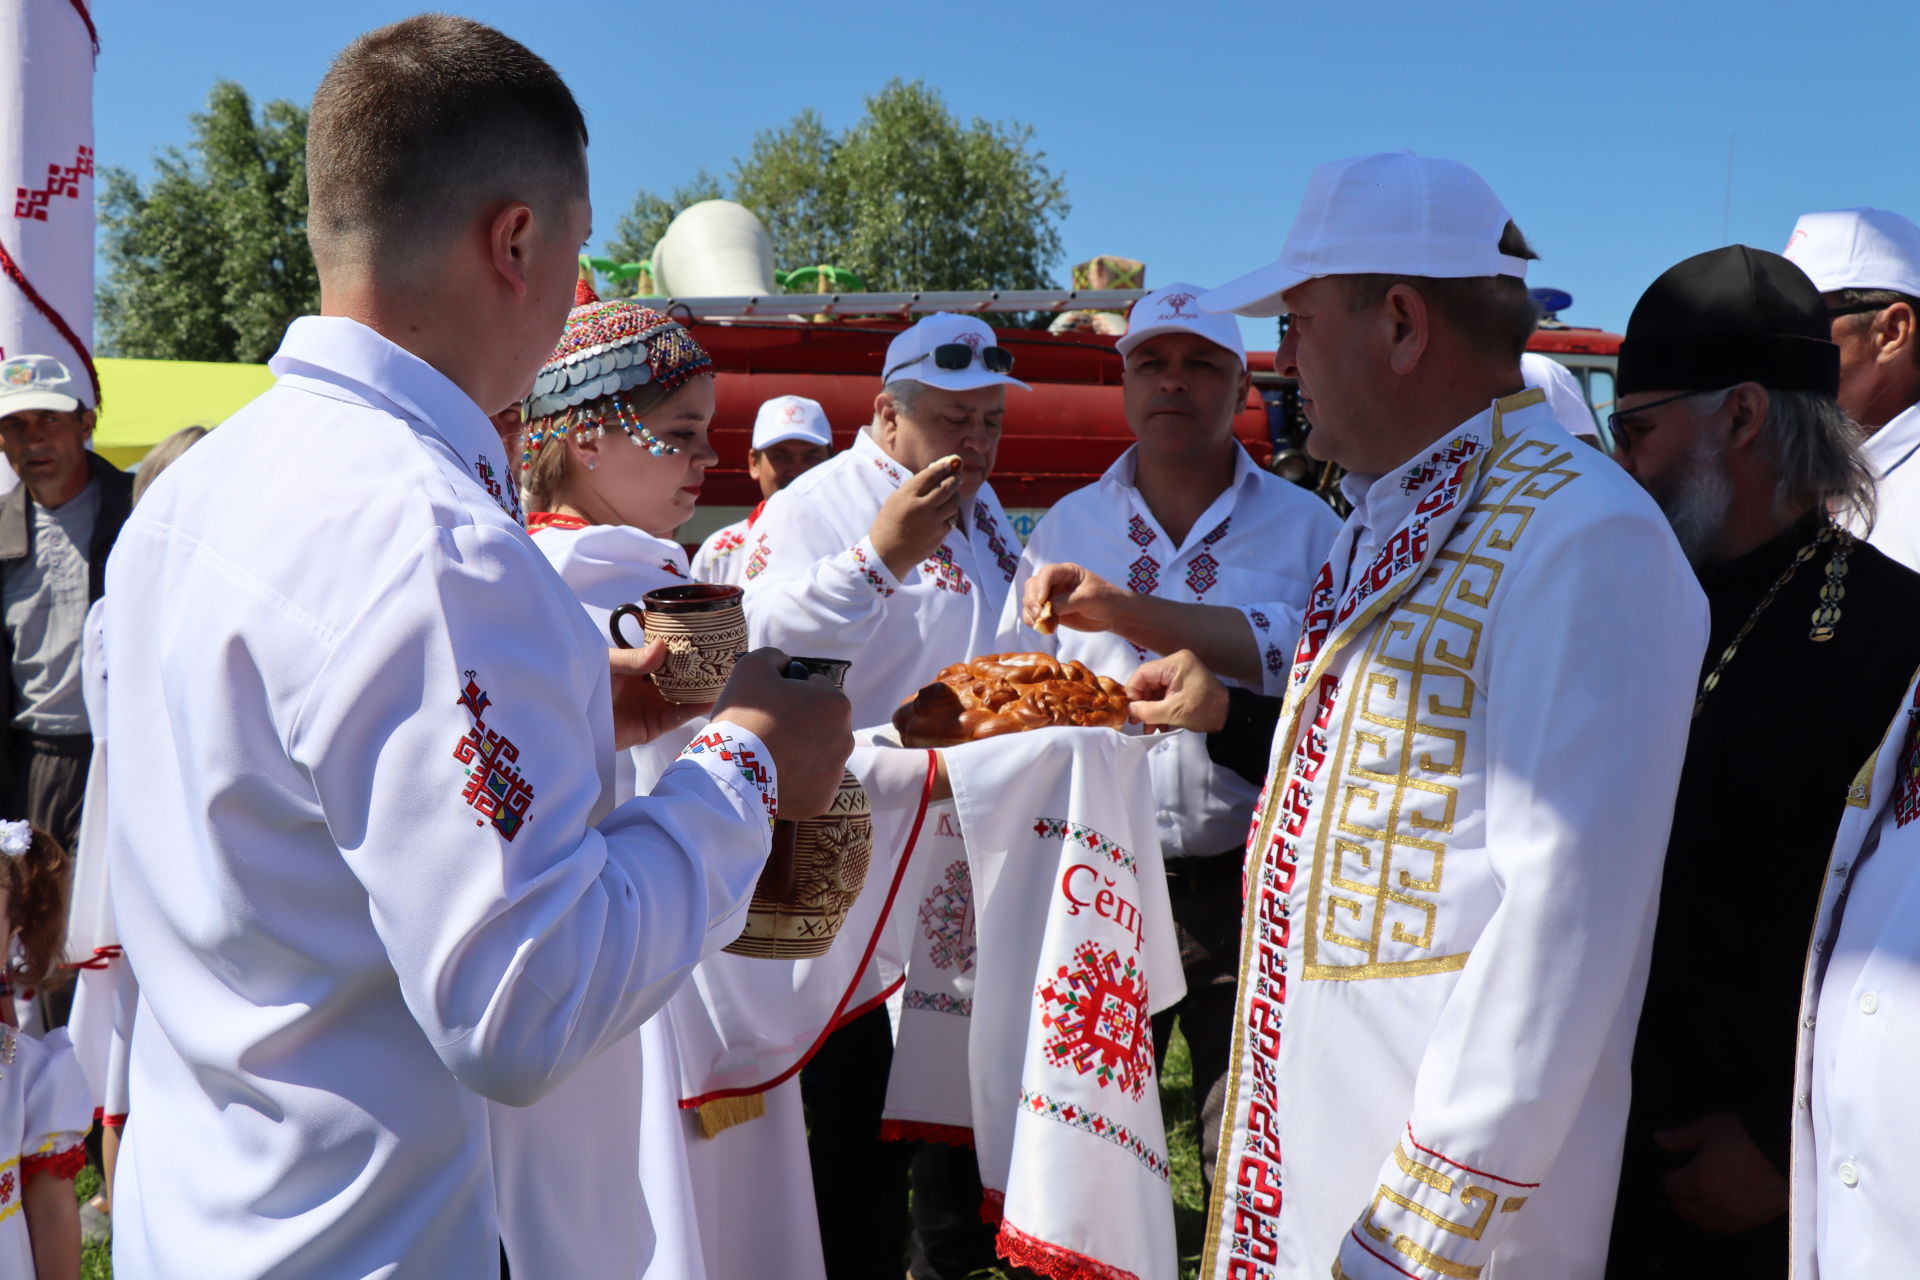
365,858
1866,263
790,438
1185,514
1451,881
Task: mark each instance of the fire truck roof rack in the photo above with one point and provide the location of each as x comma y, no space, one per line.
785,305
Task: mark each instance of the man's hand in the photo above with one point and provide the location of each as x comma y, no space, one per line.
640,713
1729,1186
806,724
1081,599
1177,692
914,519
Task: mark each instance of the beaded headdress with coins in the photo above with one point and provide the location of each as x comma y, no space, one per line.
607,350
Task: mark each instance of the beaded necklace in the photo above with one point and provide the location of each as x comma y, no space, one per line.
1826,615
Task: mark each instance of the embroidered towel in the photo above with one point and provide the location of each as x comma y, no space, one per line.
927,1093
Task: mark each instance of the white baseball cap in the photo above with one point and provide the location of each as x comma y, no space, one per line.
1397,214
1857,249
1175,308
790,418
924,354
39,382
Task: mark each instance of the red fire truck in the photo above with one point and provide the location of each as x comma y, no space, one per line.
1059,437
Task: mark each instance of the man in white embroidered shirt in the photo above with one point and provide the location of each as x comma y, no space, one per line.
1866,264
1451,881
1187,515
896,556
790,438
366,728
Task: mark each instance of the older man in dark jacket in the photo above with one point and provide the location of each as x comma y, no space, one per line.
55,532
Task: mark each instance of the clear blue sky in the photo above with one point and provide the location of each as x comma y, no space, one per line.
1186,130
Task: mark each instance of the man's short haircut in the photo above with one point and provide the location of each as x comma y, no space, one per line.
1490,311
1880,298
419,125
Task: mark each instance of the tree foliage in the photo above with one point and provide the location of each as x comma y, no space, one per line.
209,260
908,198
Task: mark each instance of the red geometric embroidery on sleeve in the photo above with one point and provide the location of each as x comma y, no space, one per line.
1096,1012
718,741
496,789
868,572
758,560
62,181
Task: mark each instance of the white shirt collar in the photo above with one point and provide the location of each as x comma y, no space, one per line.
1894,443
1122,479
346,360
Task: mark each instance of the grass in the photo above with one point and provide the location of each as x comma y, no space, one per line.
95,1264
1183,1152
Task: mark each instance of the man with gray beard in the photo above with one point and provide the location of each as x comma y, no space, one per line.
1727,415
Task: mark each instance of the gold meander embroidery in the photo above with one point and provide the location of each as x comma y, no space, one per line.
1480,1202
1401,741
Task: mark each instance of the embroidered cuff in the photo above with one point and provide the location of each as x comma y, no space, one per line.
1275,633
864,566
736,755
1431,1217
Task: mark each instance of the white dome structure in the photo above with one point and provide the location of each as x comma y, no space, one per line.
714,249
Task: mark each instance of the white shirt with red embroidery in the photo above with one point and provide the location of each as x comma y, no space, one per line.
816,588
1260,541
362,855
1451,884
45,1112
723,556
1856,1204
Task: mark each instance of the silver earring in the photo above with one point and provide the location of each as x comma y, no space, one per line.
592,463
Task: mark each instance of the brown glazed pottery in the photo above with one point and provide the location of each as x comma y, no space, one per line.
812,877
705,629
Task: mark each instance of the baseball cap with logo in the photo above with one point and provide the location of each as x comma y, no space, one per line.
38,382
1175,308
1857,249
954,353
1397,214
790,418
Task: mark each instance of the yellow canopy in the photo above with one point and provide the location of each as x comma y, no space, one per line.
148,400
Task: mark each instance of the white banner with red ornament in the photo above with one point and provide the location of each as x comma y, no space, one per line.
1075,951
46,166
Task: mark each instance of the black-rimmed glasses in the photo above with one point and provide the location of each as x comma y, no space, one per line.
953,356
1616,419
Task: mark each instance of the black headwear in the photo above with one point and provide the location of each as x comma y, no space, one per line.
1729,316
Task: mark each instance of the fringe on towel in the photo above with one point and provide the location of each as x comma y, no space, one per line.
722,1114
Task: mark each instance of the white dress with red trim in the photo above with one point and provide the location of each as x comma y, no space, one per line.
45,1112
1856,1204
1452,879
723,556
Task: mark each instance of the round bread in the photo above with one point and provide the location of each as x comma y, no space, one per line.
1008,693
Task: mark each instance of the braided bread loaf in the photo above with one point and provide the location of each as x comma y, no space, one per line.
1008,693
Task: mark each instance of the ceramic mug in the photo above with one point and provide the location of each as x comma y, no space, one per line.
705,629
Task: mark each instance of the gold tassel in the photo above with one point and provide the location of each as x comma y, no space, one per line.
721,1114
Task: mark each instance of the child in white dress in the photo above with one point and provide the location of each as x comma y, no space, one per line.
45,1106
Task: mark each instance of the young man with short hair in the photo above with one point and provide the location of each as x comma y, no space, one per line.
365,858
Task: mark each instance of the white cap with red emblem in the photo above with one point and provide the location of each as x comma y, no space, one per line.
790,418
1857,249
1397,214
1175,308
954,353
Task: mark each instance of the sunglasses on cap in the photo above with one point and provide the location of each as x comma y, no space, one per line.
953,356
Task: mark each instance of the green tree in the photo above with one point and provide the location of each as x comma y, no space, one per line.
209,260
908,198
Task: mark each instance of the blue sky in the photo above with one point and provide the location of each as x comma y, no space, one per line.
1186,131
